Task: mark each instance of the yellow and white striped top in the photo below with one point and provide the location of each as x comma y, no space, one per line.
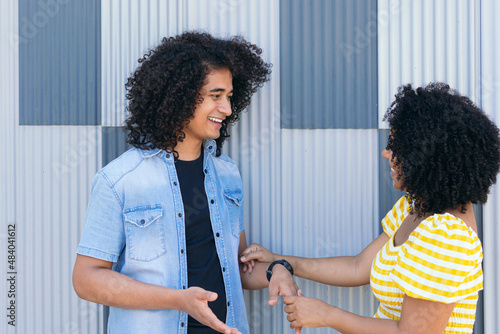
440,261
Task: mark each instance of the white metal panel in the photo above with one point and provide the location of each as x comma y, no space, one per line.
255,140
424,41
129,28
55,167
490,102
330,204
9,109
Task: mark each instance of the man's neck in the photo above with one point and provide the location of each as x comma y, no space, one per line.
189,150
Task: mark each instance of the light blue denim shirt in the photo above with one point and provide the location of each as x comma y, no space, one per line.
135,218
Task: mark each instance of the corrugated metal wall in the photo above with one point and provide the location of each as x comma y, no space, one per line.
330,204
9,95
57,41
424,41
46,173
490,102
317,188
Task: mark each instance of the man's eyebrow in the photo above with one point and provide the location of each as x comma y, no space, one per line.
215,90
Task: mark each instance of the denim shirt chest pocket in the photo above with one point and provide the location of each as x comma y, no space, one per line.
234,201
144,232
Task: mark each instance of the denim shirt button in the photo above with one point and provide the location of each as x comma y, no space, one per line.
206,171
182,324
210,147
217,234
224,269
228,304
175,183
142,221
212,201
182,251
180,214
168,156
184,287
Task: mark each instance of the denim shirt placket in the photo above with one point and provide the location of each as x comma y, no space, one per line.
181,233
219,237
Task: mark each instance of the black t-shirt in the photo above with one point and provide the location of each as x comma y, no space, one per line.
203,264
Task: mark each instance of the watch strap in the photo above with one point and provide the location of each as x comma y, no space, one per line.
269,271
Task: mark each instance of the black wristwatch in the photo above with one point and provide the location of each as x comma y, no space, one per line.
269,271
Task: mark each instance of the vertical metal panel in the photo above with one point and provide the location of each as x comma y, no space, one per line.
113,143
328,64
129,29
330,203
490,102
55,166
424,41
255,140
9,95
59,43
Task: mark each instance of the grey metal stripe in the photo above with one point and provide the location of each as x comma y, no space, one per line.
113,143
59,62
328,59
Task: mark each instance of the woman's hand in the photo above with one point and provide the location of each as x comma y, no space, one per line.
255,252
307,312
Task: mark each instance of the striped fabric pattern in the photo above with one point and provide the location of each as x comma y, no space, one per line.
440,261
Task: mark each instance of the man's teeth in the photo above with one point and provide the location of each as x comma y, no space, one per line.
215,119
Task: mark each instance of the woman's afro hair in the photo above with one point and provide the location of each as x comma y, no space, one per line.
447,149
164,90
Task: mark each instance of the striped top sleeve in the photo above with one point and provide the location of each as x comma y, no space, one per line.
441,261
393,219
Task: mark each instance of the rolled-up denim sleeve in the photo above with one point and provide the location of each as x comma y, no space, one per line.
103,234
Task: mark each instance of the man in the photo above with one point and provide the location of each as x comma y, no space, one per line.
164,225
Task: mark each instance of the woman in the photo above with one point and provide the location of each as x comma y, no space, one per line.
425,269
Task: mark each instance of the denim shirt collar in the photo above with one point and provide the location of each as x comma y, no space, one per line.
209,145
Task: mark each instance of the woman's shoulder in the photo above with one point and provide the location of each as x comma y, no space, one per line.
440,261
448,232
393,219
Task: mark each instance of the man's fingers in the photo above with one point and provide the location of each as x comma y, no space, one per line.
213,322
219,326
289,300
208,295
298,330
299,293
273,293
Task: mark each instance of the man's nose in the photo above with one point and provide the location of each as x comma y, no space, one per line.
225,107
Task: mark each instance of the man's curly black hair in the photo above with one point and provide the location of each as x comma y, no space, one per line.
447,149
164,90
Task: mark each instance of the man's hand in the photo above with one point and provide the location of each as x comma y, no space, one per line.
194,301
281,284
255,252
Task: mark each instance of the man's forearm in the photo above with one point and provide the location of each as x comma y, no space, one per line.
255,280
108,287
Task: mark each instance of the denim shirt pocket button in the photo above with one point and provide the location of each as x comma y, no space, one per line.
144,229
